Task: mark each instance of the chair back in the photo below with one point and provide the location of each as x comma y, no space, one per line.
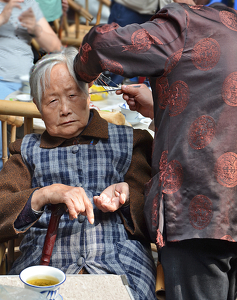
73,34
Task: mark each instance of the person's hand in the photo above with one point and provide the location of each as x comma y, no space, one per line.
113,197
138,98
75,199
7,11
65,7
27,19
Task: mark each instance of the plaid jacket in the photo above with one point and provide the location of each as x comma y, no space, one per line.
105,246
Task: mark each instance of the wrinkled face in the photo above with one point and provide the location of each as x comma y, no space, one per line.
64,107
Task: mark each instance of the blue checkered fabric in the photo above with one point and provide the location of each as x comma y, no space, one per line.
101,248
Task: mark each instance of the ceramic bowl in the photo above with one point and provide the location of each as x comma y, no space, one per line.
51,292
24,97
25,88
131,116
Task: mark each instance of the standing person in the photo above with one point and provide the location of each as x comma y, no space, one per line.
189,54
20,21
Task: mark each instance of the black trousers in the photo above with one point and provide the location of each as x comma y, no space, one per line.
200,269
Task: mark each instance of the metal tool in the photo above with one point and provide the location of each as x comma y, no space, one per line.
105,82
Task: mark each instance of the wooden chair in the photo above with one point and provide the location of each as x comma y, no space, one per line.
72,35
102,2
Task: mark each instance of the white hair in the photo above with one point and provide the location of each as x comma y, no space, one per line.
40,73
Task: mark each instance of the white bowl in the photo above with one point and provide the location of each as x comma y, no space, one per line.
24,97
133,117
51,292
25,88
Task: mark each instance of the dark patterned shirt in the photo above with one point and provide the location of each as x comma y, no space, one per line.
189,54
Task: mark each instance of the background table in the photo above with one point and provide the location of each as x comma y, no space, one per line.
85,287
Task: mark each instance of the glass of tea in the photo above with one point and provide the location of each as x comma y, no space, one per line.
43,279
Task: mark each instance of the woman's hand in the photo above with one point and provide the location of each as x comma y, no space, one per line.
27,19
113,197
7,11
75,199
139,99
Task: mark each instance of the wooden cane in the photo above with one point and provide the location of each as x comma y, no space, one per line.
57,211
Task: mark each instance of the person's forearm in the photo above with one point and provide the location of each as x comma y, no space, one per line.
45,36
47,41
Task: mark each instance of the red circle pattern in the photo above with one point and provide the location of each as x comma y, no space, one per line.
112,66
172,61
162,89
229,90
206,54
84,50
201,132
141,42
179,97
107,28
200,212
226,169
173,177
229,19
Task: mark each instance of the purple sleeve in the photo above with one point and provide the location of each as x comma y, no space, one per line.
26,217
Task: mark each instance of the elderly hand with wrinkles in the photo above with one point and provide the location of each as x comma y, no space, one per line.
113,197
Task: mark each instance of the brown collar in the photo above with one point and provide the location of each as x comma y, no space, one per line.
97,128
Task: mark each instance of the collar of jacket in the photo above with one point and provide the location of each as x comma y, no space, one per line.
97,127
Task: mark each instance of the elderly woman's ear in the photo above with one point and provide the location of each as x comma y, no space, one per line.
36,105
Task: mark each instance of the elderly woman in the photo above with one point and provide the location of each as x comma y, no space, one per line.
83,161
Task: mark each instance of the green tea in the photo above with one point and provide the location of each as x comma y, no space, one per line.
43,280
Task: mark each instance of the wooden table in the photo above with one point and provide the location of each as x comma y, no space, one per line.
85,287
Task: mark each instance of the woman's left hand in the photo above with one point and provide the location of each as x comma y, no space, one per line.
113,197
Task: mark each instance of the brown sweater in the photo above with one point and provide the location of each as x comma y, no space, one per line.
15,179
